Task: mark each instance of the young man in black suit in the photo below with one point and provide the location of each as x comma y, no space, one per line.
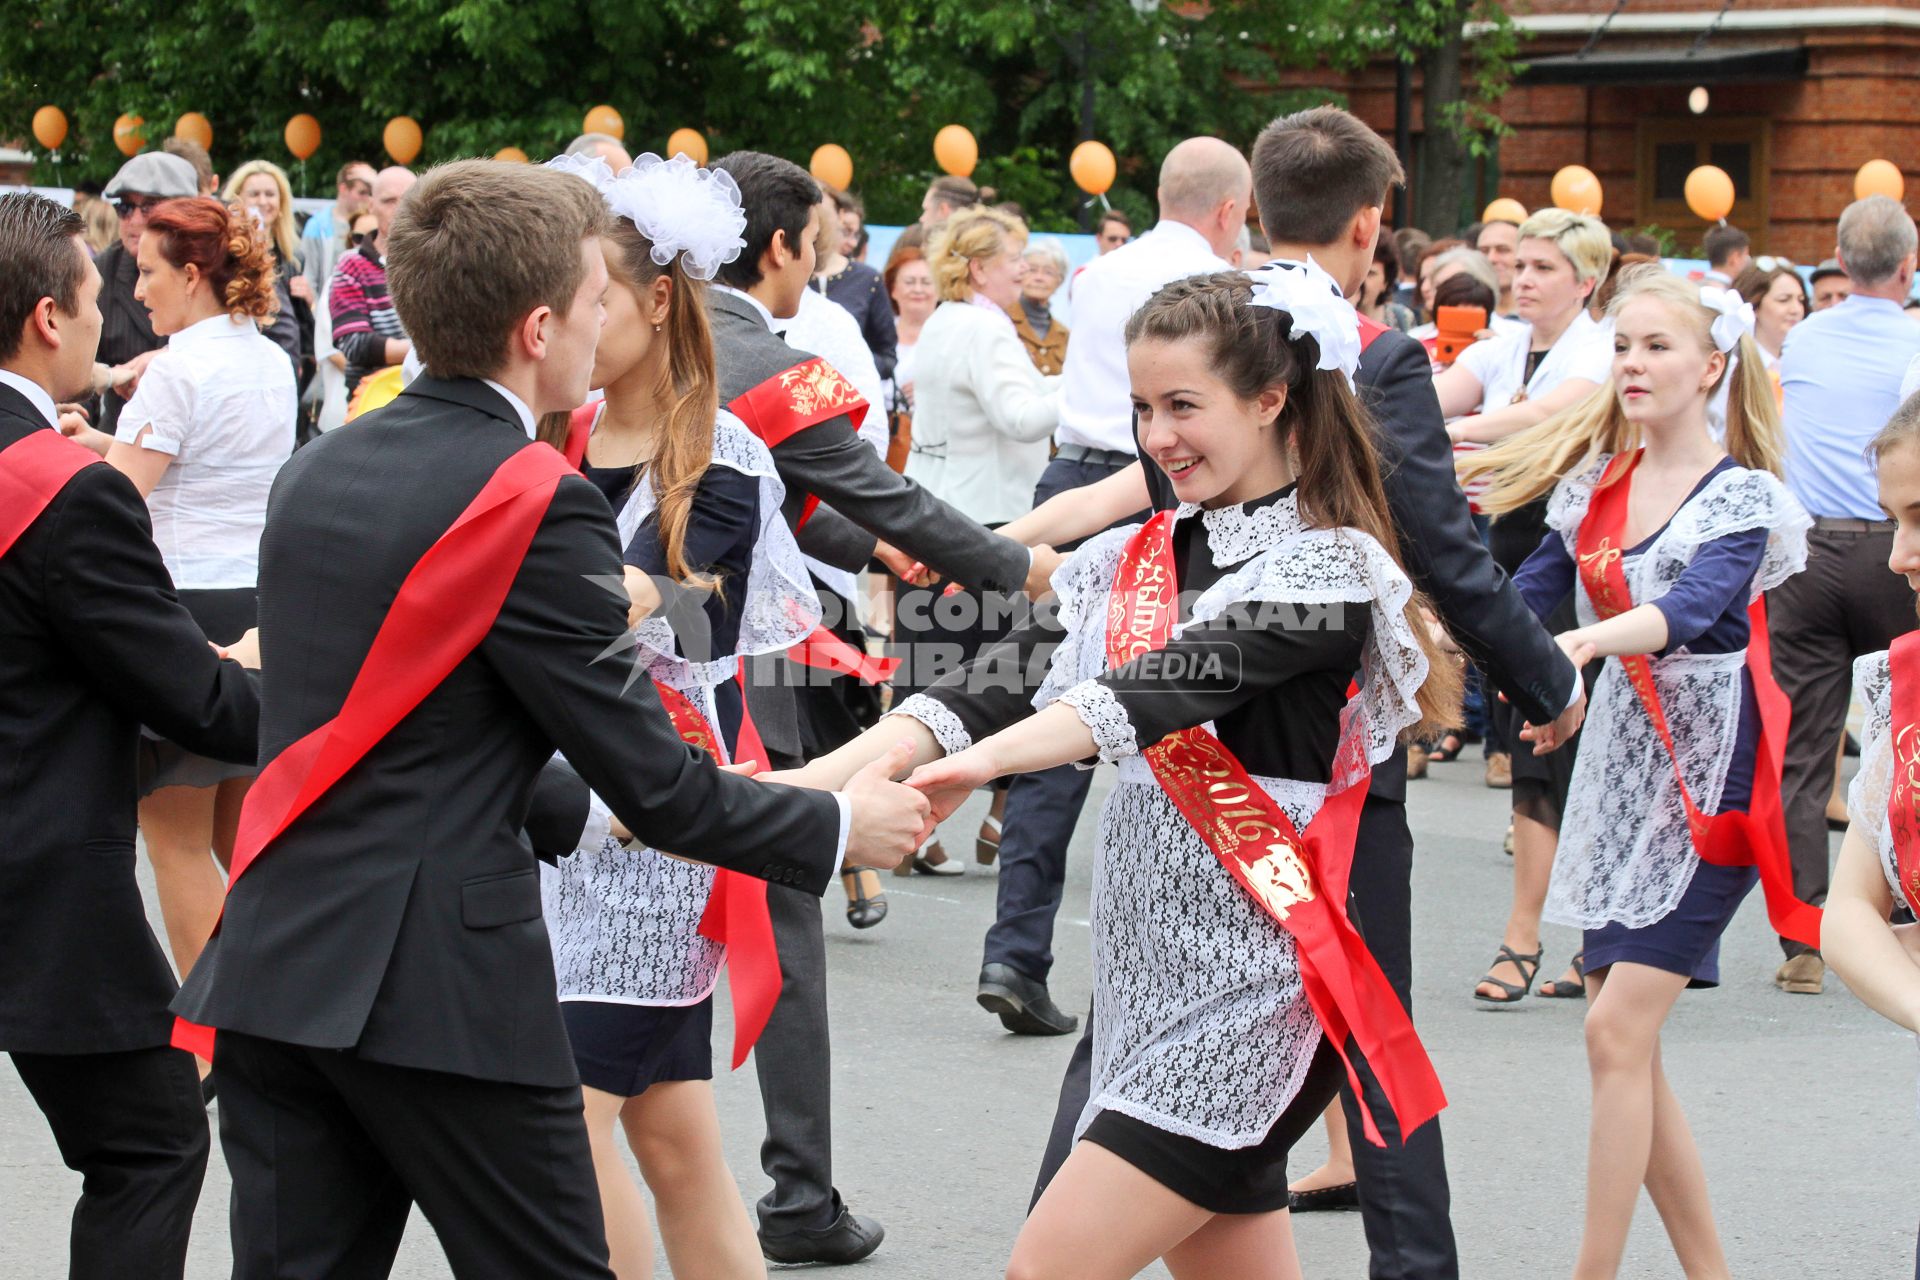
93,644
382,980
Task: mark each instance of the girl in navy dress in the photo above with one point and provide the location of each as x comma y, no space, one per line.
1665,536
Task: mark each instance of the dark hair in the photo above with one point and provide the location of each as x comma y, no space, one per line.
1012,208
475,247
1315,169
1114,215
1754,283
1389,259
955,192
846,202
38,259
1721,243
232,254
1639,242
1324,424
1463,289
776,195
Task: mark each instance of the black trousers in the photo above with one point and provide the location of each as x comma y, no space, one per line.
132,1125
329,1152
792,1059
1404,1199
1845,603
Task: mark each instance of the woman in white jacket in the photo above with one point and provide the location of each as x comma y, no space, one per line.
982,416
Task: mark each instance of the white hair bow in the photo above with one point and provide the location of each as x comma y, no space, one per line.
590,167
1734,316
681,208
1315,305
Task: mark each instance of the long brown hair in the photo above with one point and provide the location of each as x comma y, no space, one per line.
683,441
1329,432
1526,465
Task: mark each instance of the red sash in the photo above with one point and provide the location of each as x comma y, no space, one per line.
736,913
441,613
579,427
1300,882
1903,800
1758,837
33,471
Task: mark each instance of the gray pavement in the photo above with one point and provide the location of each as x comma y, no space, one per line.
1802,1106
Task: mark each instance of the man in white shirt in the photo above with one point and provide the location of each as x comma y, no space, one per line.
1205,188
1728,251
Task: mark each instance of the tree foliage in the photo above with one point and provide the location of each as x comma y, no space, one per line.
776,75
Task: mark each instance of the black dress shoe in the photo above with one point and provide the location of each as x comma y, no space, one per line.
1024,1006
1344,1196
849,1239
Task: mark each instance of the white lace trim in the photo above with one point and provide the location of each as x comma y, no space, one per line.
1871,790
1625,854
1236,533
946,727
1105,718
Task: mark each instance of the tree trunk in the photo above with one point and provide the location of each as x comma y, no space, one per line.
1441,186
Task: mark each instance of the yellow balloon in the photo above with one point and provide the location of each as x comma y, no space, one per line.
514,154
1504,209
50,127
303,136
194,127
129,134
604,119
690,143
1879,178
1577,190
832,165
955,150
1092,166
402,139
1709,193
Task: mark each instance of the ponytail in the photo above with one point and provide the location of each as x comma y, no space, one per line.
1754,437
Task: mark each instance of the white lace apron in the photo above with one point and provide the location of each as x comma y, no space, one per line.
1201,1026
1625,853
1871,790
625,924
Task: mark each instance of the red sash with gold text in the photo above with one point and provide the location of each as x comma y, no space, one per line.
1758,837
33,471
1903,798
736,914
1300,882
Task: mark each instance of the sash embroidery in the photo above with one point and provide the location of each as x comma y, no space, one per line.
33,471
1903,797
791,401
1758,837
1300,882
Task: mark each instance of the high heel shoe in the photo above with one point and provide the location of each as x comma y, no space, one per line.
986,850
864,909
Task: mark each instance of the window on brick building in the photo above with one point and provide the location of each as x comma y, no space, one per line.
1670,149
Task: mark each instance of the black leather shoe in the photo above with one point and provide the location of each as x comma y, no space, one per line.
1344,1196
1024,1006
849,1239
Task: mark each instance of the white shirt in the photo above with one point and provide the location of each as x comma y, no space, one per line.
1096,404
35,394
527,422
1585,350
981,413
220,398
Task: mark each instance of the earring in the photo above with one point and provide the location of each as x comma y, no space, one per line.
656,328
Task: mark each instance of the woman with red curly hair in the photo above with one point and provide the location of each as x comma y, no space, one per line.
203,437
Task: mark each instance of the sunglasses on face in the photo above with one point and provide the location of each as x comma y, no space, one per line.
359,238
126,208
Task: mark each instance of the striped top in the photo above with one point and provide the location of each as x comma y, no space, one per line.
363,314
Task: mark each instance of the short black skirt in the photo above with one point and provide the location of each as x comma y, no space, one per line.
1222,1179
225,615
622,1048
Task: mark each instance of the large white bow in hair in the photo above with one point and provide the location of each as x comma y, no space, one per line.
1315,305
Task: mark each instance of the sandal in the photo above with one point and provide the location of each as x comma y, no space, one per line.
1451,745
864,909
1529,967
986,850
1561,989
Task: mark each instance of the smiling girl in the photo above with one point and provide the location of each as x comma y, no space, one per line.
1210,653
1667,538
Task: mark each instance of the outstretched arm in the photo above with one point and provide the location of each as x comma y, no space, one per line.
1083,512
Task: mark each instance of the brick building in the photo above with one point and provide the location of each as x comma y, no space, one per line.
1799,94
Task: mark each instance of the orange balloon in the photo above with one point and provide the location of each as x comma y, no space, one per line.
303,136
1504,209
604,119
129,134
50,127
402,139
1092,166
832,165
1576,190
514,154
1879,178
194,127
955,150
1710,193
689,143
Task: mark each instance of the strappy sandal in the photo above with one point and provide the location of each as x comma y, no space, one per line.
1561,989
1529,967
1449,749
864,909
986,850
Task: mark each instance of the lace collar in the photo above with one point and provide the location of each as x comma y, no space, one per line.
1238,533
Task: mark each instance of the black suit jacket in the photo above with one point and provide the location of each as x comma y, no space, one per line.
1438,543
400,915
93,643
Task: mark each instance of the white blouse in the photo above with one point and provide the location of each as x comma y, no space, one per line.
220,399
1585,350
982,414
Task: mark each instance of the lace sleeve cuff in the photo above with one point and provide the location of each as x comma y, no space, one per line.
947,729
1105,718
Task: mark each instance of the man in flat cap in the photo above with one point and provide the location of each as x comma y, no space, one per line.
127,340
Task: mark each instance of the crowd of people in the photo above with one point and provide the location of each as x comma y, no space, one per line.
474,736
